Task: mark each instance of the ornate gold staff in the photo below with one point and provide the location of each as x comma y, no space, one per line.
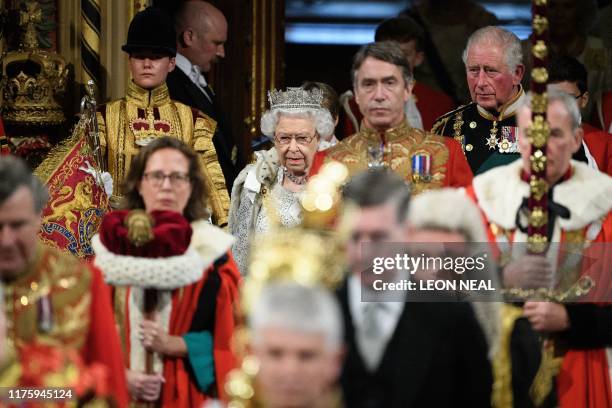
89,109
538,133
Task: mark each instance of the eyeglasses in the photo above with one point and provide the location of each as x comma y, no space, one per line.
157,178
284,140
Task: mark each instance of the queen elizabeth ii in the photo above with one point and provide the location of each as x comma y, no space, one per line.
266,194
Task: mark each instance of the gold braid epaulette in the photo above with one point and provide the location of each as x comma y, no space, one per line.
440,123
203,132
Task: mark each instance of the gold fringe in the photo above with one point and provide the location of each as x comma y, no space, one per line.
57,155
502,363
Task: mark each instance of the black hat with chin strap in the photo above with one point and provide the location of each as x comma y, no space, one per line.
151,30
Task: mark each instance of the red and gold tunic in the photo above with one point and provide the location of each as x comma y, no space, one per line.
449,168
129,123
61,302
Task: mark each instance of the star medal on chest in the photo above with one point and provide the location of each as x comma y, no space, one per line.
492,139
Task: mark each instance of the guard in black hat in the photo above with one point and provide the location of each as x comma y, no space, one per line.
147,112
151,30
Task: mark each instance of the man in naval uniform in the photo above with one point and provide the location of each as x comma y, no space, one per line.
147,112
486,128
382,83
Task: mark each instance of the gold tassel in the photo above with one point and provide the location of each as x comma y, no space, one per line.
502,362
543,381
140,227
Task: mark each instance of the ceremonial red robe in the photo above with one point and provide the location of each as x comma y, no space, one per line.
599,143
583,379
80,314
204,304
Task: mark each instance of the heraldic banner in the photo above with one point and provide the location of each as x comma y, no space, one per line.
77,199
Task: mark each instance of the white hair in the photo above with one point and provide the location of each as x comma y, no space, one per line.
294,307
506,40
447,209
323,122
556,95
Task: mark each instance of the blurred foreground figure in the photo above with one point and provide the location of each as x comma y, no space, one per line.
51,298
401,353
297,338
46,366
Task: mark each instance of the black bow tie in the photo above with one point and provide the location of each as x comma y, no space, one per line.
554,210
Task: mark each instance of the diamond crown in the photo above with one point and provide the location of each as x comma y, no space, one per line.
295,98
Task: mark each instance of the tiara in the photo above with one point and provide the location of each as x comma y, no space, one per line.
295,98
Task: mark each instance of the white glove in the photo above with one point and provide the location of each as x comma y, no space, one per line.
107,180
105,177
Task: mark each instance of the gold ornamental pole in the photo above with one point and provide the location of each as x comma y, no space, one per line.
538,133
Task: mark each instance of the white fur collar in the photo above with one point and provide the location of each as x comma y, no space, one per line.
207,244
587,194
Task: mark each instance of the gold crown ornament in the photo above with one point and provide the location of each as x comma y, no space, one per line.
295,99
32,79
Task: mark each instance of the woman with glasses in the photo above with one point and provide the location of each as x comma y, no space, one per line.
174,280
267,193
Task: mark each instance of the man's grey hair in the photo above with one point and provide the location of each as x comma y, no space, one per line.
387,51
290,306
375,187
556,95
14,173
322,120
504,39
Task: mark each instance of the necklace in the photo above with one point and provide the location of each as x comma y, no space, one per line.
299,180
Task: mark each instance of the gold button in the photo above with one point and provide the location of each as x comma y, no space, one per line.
64,283
473,125
34,286
24,300
469,147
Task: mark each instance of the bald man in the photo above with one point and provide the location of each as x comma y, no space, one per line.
202,32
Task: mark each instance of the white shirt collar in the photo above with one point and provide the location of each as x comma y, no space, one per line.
392,309
191,70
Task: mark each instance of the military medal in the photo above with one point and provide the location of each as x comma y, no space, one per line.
421,168
45,314
508,141
492,140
